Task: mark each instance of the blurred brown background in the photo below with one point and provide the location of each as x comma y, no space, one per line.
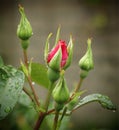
81,18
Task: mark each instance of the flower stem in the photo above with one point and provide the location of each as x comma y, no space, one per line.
28,93
77,87
29,77
43,114
48,96
56,120
25,57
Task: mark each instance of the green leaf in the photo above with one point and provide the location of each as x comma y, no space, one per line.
24,99
11,84
39,74
102,99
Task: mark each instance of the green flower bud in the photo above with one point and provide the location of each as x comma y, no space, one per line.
24,30
53,75
86,62
61,92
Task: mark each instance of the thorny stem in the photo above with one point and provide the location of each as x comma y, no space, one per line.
29,78
43,114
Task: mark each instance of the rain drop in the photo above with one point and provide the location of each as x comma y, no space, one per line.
33,83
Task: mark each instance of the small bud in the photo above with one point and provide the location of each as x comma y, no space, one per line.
53,75
24,30
61,92
86,62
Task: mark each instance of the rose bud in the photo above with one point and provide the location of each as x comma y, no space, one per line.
86,62
60,56
24,30
61,91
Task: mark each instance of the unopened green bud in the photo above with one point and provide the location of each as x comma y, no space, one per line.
61,92
52,74
24,30
86,62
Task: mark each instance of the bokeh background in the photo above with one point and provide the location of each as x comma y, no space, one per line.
98,19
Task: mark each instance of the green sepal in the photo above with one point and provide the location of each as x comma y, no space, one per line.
46,50
24,69
55,62
70,53
53,75
57,35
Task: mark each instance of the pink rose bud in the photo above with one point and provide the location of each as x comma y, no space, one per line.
58,56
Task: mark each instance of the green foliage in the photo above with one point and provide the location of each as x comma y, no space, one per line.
102,99
11,84
39,74
1,61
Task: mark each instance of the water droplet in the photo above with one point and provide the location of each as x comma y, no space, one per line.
33,83
7,109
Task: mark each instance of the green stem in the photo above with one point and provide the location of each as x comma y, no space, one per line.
62,116
25,57
43,114
48,96
28,93
77,87
56,120
29,77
